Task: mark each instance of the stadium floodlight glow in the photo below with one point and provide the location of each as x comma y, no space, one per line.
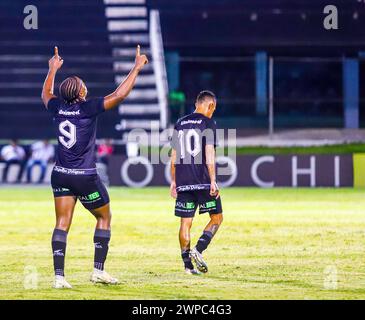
253,16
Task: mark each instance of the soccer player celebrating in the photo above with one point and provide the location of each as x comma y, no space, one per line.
74,175
193,175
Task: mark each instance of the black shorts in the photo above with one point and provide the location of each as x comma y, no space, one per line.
87,188
188,201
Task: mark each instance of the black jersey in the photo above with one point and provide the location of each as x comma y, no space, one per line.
191,134
76,132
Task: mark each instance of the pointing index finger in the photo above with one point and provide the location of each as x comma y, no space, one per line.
138,50
56,51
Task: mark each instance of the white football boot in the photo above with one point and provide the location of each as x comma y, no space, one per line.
99,276
191,271
61,283
197,257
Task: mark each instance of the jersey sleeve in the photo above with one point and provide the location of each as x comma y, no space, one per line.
54,104
94,107
211,135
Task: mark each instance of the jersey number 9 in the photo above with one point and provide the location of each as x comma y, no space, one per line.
68,131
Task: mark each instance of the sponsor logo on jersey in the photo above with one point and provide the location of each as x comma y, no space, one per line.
182,123
193,187
74,171
69,113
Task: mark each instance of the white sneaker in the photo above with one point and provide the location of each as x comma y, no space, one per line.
61,283
99,276
192,271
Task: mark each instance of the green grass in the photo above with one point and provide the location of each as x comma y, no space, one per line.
326,149
273,244
260,150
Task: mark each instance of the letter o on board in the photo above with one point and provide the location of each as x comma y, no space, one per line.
232,165
134,161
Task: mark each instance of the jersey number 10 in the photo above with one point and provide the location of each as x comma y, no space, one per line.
68,131
185,140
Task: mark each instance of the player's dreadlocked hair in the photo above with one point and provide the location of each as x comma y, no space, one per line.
70,89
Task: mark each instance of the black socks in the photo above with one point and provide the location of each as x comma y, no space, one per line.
185,255
59,239
101,242
202,244
204,241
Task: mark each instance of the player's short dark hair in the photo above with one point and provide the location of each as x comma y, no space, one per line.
204,95
70,89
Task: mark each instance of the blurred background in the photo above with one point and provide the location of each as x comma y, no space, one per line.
281,78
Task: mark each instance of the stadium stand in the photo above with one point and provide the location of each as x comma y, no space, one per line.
97,45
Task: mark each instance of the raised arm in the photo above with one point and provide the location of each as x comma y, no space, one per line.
210,162
115,98
173,177
54,64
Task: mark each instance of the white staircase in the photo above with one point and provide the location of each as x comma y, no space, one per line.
129,24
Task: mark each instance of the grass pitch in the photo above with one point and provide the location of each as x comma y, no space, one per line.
273,244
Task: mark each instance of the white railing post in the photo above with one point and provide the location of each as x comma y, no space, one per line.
158,60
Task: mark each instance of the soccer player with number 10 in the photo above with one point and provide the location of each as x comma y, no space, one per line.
193,175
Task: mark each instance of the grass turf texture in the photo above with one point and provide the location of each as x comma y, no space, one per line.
273,244
326,149
262,150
